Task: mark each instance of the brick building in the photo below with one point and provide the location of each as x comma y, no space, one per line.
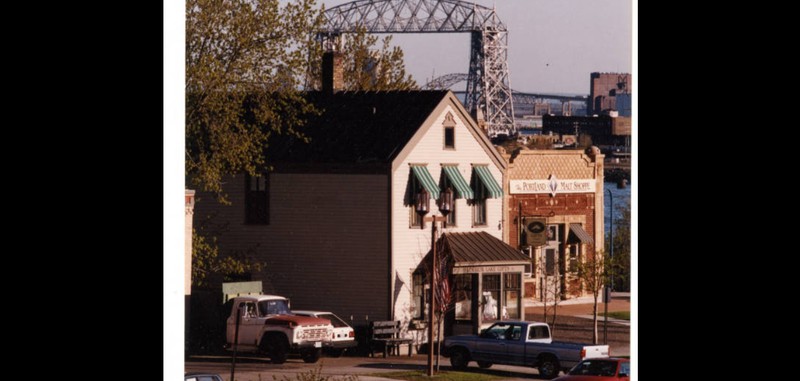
603,91
602,130
555,214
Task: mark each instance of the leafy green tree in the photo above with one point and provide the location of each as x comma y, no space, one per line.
365,67
245,61
368,69
207,261
621,272
246,65
594,273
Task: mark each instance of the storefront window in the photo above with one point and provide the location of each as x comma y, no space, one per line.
463,296
490,299
574,251
417,299
511,287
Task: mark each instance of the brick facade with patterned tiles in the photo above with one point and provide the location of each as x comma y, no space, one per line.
561,209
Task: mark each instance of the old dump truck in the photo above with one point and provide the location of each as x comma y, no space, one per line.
267,327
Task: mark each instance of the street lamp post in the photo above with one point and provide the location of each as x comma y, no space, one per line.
607,295
422,207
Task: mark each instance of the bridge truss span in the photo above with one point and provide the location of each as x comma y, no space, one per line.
488,86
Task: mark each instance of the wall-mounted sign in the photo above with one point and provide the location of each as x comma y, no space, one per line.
534,230
553,186
488,269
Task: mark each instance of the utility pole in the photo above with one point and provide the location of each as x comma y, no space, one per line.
431,306
607,288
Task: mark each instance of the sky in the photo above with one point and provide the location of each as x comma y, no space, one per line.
553,44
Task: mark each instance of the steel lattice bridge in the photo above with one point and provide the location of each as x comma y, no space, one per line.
520,97
488,90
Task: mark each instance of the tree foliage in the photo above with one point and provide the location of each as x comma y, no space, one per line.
622,250
246,65
592,273
206,260
245,61
366,67
595,273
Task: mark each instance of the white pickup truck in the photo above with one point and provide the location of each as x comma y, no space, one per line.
519,343
267,327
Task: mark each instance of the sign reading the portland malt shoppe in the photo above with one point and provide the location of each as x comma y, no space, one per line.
553,186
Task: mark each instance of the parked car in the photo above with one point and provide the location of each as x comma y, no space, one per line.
201,377
344,336
520,343
610,369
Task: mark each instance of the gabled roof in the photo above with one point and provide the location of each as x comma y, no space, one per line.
357,127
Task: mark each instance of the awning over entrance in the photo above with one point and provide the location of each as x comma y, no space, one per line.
424,178
454,176
477,249
495,190
582,235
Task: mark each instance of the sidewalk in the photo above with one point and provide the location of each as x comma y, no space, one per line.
620,301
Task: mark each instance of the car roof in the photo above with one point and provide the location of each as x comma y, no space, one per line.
520,321
195,374
260,297
308,312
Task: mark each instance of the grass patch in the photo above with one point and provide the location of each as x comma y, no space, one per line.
417,375
624,315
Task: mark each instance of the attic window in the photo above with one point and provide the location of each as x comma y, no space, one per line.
449,137
449,131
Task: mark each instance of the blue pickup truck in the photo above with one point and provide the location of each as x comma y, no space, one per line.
519,343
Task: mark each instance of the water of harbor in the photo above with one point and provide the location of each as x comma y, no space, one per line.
621,197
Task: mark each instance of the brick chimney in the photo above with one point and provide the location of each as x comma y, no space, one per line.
332,72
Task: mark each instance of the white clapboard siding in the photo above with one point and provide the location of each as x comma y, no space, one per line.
409,245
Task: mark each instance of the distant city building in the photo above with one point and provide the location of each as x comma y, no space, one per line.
541,108
624,104
603,130
604,88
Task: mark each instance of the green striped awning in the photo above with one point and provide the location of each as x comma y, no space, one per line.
454,176
495,190
424,178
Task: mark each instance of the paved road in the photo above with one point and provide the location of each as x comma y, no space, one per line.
256,369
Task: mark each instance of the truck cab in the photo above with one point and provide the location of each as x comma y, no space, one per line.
266,326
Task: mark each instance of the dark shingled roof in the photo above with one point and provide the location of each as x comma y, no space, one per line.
472,247
357,127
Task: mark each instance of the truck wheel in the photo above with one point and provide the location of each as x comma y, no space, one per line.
548,367
276,348
484,364
459,359
310,355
